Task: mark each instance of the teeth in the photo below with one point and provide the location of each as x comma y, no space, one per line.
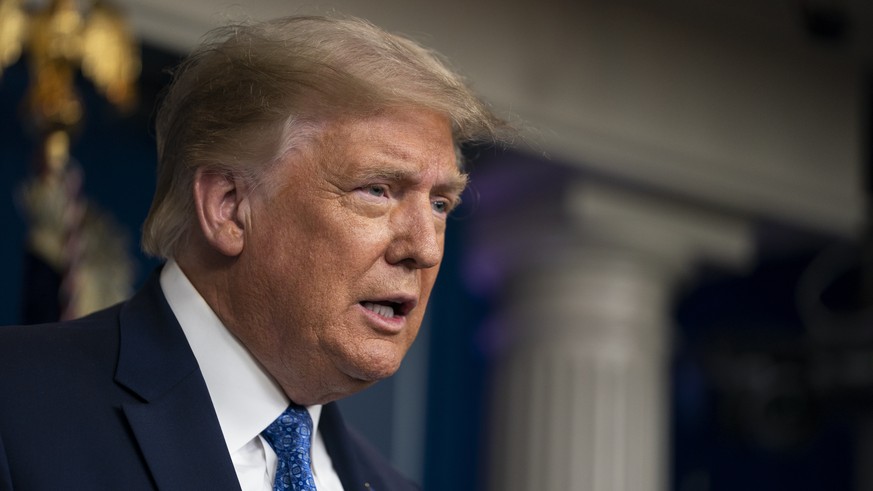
383,310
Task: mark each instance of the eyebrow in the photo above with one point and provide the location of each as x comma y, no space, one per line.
455,184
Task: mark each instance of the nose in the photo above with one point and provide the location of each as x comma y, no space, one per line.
417,242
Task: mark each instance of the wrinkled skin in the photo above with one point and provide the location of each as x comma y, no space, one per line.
330,271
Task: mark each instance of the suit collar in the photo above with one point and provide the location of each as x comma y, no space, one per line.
174,424
154,355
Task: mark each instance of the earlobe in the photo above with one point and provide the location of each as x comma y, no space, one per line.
220,200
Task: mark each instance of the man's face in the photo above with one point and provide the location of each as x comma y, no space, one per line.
339,262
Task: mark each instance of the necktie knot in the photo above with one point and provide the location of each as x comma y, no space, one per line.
290,436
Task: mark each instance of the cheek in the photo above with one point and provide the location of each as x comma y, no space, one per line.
359,229
332,230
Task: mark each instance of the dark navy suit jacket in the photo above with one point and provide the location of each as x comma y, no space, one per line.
116,401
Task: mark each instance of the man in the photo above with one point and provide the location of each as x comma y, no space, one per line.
306,170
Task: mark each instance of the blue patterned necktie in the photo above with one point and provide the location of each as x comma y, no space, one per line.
291,438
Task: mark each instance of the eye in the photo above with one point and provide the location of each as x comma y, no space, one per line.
376,190
441,206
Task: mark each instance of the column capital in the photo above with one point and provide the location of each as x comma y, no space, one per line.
680,233
574,214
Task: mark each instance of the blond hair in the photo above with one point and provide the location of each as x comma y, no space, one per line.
252,92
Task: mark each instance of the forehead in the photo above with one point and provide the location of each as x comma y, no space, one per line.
401,141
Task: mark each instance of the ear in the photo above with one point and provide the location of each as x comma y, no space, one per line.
221,206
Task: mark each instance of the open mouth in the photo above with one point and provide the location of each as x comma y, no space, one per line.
387,308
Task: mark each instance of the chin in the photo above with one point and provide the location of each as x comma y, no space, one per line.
374,365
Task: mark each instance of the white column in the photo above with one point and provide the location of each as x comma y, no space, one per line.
581,393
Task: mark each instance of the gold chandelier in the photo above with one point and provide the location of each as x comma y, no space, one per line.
58,41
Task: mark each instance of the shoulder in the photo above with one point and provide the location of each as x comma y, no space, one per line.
23,343
45,358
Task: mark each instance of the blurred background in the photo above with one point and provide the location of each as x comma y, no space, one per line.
665,285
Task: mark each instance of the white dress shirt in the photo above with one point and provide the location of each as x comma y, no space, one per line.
245,397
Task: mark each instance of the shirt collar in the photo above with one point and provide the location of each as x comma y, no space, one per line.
245,396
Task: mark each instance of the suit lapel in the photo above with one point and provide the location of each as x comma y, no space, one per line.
174,424
336,440
181,441
359,465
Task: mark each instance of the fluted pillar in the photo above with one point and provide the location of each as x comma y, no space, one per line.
581,391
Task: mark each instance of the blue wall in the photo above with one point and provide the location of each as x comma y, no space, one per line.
117,154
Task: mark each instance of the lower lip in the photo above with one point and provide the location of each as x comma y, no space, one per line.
385,325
